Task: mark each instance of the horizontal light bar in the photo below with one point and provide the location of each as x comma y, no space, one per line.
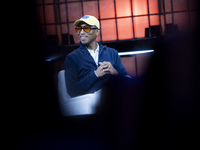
120,54
135,52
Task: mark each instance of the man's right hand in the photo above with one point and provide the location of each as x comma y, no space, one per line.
101,70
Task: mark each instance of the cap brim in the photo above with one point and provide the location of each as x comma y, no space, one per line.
76,23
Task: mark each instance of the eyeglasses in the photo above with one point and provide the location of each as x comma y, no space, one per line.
85,28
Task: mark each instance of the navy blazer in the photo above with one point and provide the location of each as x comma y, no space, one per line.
80,66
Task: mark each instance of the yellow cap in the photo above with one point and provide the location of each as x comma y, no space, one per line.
91,20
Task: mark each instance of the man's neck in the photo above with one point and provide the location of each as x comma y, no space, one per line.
92,46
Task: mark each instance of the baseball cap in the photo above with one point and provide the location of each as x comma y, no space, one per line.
91,20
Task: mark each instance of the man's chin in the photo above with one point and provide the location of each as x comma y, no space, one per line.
84,42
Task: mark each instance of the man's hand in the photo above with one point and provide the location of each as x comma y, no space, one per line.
105,68
101,70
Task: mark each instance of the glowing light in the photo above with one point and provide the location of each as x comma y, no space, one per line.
51,58
135,52
123,8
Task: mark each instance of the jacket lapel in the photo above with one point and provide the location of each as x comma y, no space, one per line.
86,53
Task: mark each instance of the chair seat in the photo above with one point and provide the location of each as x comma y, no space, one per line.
80,105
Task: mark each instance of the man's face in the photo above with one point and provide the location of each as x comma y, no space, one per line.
87,37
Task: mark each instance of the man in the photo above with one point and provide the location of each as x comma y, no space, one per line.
89,66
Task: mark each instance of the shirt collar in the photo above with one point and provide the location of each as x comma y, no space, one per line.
82,47
97,49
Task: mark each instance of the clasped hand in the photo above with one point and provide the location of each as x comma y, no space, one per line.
105,68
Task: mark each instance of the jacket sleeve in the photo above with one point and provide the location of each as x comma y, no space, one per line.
76,87
119,66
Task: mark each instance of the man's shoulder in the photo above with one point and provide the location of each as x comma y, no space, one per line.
74,53
111,50
72,56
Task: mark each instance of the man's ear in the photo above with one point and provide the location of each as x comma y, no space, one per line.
97,32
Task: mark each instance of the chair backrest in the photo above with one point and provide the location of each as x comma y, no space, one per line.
80,105
62,89
63,95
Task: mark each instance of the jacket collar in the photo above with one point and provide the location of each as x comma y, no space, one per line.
83,48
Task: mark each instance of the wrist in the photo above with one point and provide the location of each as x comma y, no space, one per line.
96,74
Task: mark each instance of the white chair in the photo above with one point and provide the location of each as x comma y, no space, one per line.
80,105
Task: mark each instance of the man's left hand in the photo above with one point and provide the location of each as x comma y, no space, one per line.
109,67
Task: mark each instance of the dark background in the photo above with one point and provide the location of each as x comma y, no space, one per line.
166,105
